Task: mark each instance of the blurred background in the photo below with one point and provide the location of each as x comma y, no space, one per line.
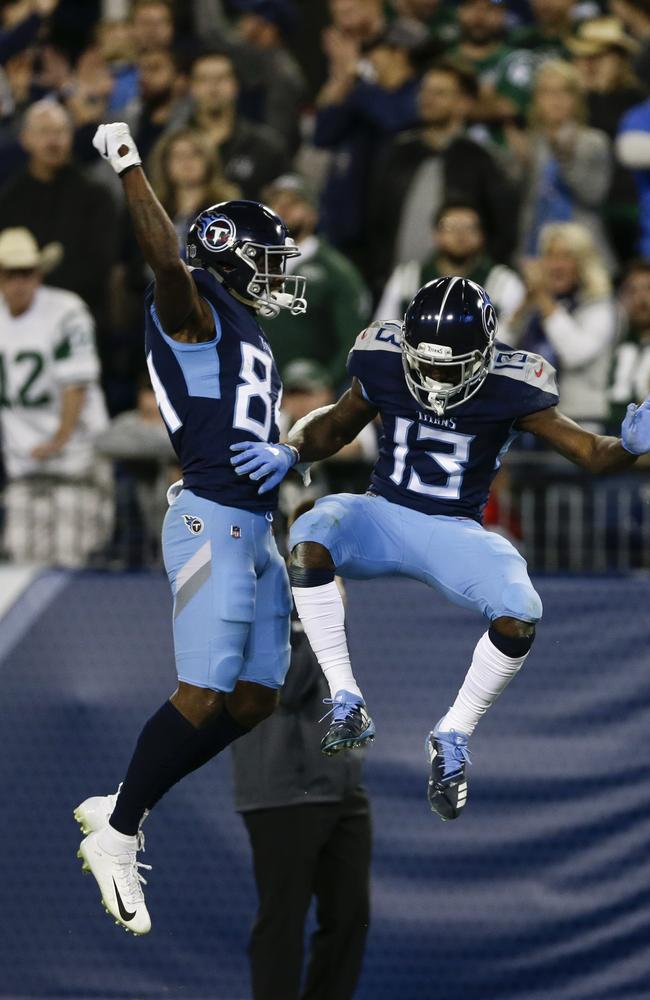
400,140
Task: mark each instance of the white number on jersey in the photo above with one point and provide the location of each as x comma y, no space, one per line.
167,411
453,462
254,387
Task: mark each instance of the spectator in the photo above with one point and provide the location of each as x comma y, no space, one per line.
355,117
459,239
273,85
187,177
308,822
252,154
424,168
360,21
50,408
630,375
570,318
566,167
145,465
532,44
633,151
481,45
153,110
339,303
53,199
152,25
635,16
602,53
116,45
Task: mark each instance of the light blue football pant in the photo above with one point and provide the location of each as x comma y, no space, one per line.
367,536
232,600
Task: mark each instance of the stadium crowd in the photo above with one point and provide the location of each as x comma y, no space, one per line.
505,140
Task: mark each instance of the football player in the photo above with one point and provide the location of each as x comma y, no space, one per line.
451,400
216,384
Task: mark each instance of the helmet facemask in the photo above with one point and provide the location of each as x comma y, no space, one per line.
270,288
467,372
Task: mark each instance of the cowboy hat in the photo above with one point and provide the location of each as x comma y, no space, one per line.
19,251
599,35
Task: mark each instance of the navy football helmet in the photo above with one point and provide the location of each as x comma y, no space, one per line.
447,342
245,245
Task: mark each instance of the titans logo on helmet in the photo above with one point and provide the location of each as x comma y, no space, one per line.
490,322
217,233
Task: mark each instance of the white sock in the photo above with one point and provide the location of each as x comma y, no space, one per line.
114,842
322,614
490,672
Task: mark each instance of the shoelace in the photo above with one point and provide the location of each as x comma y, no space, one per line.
455,751
132,877
341,710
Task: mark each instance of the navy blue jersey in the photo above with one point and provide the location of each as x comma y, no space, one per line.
214,394
445,465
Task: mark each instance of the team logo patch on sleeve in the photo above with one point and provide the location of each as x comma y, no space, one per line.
217,233
193,524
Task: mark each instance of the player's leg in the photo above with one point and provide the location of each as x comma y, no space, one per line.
213,609
286,843
482,570
354,536
342,888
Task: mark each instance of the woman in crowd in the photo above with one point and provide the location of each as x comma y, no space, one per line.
187,177
569,317
565,167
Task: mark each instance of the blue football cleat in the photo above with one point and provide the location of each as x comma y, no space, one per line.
448,755
351,726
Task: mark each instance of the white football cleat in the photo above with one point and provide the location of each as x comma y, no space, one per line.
119,881
94,813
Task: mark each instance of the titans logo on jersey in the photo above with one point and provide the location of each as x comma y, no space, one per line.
214,394
445,465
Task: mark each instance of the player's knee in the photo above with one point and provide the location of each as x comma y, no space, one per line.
198,705
522,602
250,703
308,559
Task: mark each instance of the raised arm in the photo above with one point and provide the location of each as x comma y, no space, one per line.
318,435
594,452
182,312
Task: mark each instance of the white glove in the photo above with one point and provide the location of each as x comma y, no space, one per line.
115,144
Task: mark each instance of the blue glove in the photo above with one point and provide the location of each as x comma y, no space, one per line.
635,429
258,460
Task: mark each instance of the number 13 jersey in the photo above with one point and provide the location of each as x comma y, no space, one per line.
214,394
445,465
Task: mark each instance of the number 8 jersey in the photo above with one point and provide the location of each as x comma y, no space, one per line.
214,394
445,465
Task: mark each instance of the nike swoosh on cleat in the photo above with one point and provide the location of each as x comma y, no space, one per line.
124,913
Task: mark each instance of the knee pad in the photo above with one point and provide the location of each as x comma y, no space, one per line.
521,600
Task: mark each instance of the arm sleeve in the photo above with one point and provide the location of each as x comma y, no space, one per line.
75,356
588,170
580,338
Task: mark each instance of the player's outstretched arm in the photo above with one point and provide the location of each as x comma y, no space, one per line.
180,309
595,452
325,431
318,435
